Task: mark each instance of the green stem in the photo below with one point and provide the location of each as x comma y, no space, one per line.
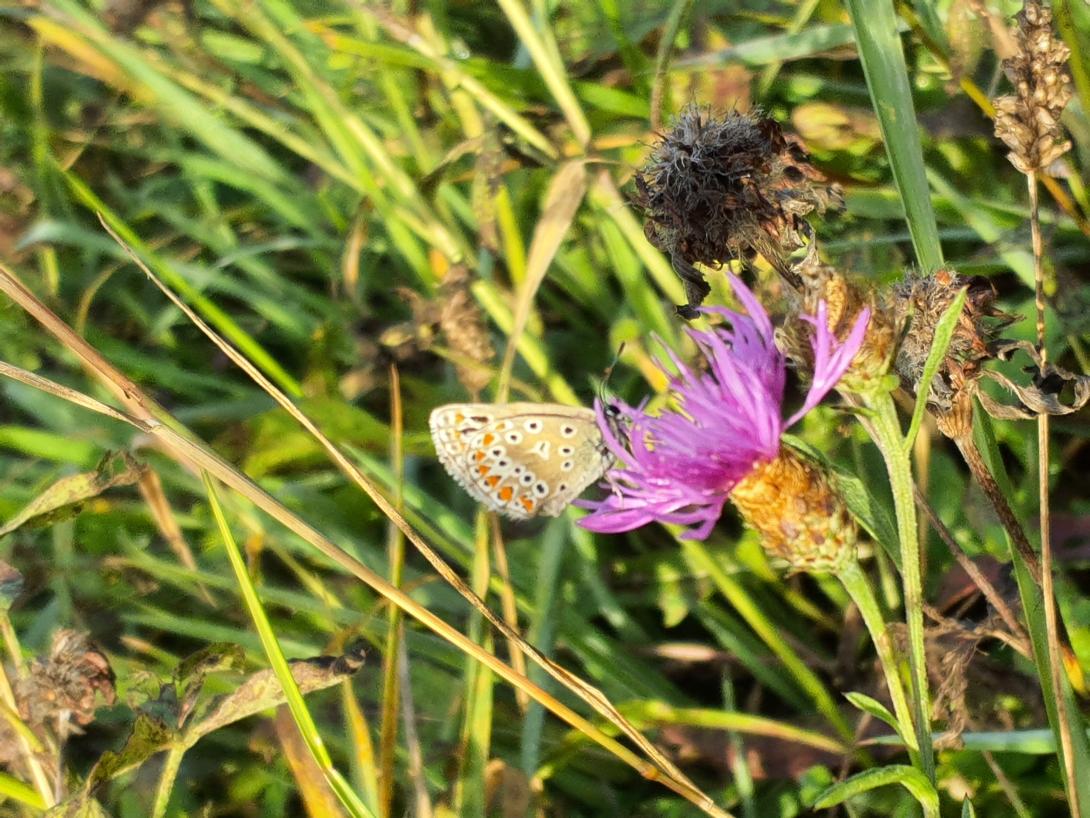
887,435
171,763
857,585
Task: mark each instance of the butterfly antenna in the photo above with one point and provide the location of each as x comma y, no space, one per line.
607,373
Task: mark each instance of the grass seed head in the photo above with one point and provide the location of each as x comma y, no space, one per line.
1028,121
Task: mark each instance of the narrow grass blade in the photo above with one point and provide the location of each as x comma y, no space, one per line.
875,24
303,720
1029,591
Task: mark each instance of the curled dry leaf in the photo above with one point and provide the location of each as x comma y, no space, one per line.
63,497
1042,397
262,690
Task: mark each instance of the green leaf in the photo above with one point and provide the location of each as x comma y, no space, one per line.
944,333
908,777
870,705
967,810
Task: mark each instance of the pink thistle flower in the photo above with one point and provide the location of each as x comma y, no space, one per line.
680,466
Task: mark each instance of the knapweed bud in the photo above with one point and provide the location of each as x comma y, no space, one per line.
844,301
720,188
801,518
921,300
1028,120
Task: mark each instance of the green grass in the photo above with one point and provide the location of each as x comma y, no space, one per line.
289,170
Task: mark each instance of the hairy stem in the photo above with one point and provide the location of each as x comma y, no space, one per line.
857,585
887,436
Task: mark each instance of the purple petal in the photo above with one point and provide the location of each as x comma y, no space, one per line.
831,358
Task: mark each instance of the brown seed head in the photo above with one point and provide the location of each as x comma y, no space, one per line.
455,313
801,518
844,300
921,300
464,327
1028,121
66,681
719,188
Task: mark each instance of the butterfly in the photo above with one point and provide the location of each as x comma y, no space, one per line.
520,459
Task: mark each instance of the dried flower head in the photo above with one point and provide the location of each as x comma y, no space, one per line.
681,466
456,314
844,300
464,328
720,188
64,684
922,299
1028,121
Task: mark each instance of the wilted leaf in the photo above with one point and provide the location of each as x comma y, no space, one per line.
262,690
1043,396
148,737
191,671
57,501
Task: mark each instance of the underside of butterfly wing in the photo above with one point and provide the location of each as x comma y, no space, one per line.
520,459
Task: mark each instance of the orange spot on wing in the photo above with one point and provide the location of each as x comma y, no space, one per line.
483,470
459,417
527,503
505,493
488,438
493,480
480,456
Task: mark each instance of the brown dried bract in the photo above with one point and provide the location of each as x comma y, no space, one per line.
720,188
1028,121
455,313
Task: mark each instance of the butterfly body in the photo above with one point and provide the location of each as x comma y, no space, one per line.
520,459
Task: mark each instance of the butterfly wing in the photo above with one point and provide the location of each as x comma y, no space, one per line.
520,459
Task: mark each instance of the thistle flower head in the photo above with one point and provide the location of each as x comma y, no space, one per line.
718,188
66,682
681,465
802,520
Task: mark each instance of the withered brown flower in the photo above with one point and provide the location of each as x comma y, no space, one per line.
721,188
65,683
921,300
